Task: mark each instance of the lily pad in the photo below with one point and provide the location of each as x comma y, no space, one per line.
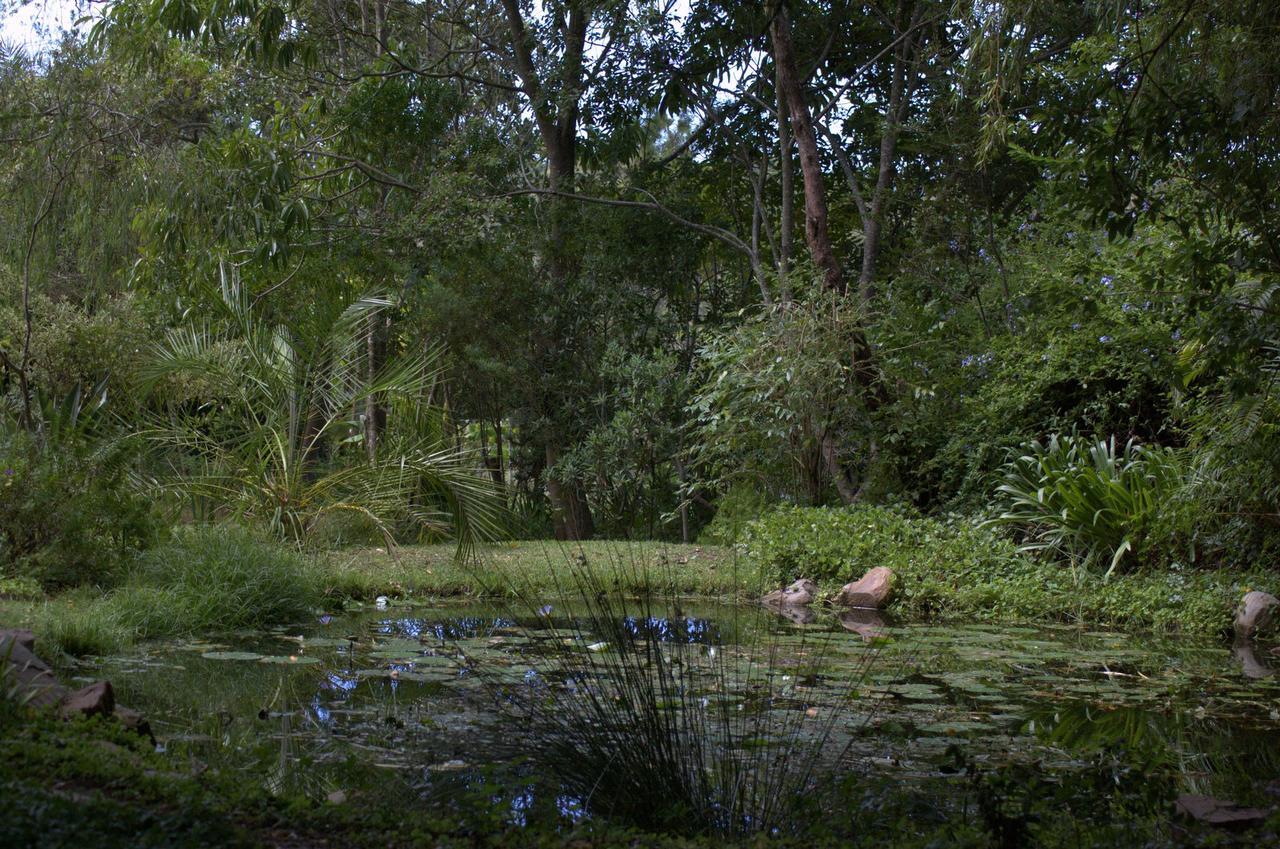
290,660
232,655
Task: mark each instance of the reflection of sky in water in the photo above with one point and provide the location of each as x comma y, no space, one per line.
672,630
569,807
462,628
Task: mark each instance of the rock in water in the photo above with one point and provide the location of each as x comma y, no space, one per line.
873,589
797,614
1255,612
95,700
802,592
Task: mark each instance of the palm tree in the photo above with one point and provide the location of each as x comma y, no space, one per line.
272,420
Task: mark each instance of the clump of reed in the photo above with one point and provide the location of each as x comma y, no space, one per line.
657,724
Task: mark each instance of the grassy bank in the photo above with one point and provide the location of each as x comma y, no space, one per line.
92,783
534,567
220,579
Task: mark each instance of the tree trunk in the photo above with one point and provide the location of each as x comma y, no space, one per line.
499,471
370,404
570,516
815,203
557,121
786,223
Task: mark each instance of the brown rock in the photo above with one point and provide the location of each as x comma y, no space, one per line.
95,700
873,589
20,636
135,722
802,592
1216,812
1255,612
31,676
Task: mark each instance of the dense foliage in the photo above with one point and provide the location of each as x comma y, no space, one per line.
378,274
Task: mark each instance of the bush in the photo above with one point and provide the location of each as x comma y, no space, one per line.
961,568
68,513
840,544
1086,499
738,507
74,344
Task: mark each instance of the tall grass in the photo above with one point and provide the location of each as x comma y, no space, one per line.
205,579
648,727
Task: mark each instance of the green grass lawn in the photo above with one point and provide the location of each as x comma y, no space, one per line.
533,567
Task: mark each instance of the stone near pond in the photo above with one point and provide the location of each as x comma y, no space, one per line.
864,622
95,700
1255,612
39,688
32,676
873,590
135,722
1219,813
802,592
20,636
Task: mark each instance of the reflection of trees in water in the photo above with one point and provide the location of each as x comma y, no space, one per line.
1210,756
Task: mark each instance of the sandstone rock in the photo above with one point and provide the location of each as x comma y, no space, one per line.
20,636
135,722
864,622
1255,612
1212,811
802,592
873,589
95,700
33,678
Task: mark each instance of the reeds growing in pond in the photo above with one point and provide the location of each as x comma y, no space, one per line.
646,716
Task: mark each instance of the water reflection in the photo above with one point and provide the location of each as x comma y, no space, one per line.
400,695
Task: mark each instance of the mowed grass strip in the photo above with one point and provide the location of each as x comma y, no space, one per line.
537,566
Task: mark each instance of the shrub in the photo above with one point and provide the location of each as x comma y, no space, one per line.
840,544
738,507
960,568
1086,499
68,512
73,344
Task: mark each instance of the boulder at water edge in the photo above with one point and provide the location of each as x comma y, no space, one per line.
31,676
1255,612
802,592
37,687
95,700
873,589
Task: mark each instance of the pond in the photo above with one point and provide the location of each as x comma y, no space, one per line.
421,701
